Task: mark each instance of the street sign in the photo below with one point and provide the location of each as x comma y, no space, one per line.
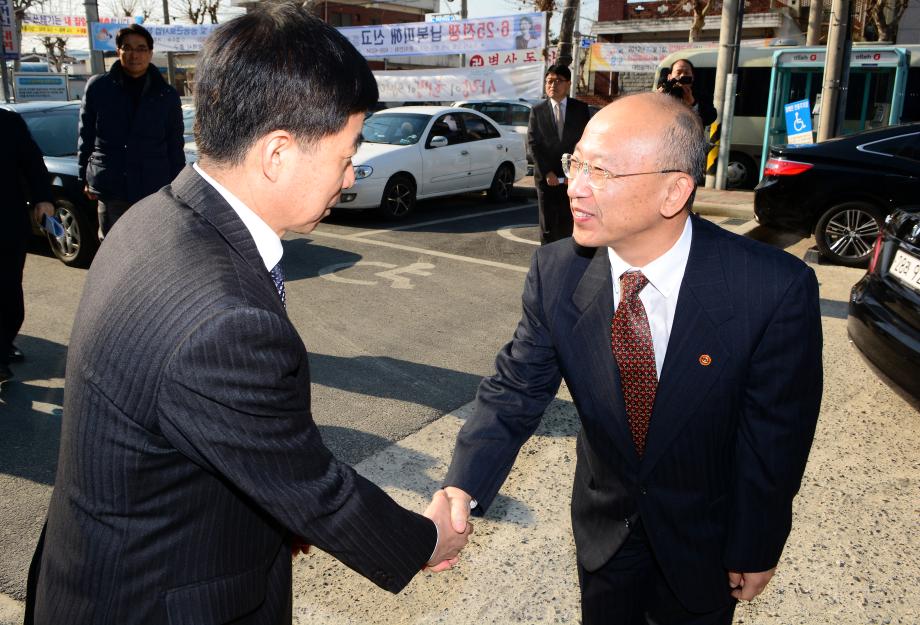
442,17
798,123
6,30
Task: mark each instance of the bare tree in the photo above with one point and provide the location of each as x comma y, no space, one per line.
197,11
132,8
700,11
55,51
877,14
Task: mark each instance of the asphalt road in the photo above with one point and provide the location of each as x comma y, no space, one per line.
401,322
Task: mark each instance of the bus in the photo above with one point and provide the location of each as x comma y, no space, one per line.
869,98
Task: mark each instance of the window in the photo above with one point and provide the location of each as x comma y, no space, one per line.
447,126
477,128
54,130
905,146
520,115
394,128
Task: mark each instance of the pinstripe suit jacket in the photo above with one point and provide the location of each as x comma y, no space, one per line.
188,452
729,435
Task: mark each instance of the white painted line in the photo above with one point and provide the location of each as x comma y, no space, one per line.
505,232
420,250
361,235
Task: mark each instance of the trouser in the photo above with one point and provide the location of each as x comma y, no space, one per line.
631,590
555,214
12,306
110,210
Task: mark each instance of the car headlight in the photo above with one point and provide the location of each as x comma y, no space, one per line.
363,171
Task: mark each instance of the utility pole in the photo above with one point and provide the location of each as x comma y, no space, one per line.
576,49
170,61
728,112
3,73
96,63
727,30
815,18
833,69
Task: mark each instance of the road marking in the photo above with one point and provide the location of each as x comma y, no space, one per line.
435,222
393,273
421,250
505,232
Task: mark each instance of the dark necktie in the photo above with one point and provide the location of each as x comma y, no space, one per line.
278,278
560,120
635,355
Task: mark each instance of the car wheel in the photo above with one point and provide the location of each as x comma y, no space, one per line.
846,233
741,171
502,184
398,198
80,241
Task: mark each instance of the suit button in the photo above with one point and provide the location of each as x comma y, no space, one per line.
642,491
626,521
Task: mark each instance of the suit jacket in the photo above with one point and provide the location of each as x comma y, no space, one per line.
729,434
22,176
543,137
188,453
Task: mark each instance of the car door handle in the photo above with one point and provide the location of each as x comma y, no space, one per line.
464,153
499,147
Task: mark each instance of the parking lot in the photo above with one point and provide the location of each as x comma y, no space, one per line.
401,322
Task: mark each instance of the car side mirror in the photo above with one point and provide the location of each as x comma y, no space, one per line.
438,142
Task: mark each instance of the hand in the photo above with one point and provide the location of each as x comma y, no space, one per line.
552,180
298,546
42,209
450,541
89,193
687,97
746,586
459,507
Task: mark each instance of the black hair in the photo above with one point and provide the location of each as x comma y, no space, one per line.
692,68
559,70
276,68
133,29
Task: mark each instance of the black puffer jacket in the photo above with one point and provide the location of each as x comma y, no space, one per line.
127,154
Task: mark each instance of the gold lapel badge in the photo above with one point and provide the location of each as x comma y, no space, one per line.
705,360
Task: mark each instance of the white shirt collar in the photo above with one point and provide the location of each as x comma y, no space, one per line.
561,103
666,272
267,241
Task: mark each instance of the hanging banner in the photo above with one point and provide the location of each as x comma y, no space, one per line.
53,25
512,57
449,84
634,57
512,32
166,37
10,47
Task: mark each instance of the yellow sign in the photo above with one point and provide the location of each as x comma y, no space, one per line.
54,26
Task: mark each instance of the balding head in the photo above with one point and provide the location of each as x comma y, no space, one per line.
652,147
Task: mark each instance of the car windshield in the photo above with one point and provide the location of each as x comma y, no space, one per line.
54,130
394,128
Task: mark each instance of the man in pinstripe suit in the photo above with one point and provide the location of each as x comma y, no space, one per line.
693,357
190,464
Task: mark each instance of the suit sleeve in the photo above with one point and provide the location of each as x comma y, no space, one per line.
235,400
776,428
86,137
509,405
31,163
175,136
537,143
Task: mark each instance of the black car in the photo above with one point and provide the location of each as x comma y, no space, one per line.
54,127
842,189
884,320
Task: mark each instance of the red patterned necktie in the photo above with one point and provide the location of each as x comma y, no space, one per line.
635,355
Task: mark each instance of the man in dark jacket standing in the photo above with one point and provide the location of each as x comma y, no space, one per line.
130,140
20,160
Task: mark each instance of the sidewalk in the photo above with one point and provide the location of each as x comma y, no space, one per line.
735,204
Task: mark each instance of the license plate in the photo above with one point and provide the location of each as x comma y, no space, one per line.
906,268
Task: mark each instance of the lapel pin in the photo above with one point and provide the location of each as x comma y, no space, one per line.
705,360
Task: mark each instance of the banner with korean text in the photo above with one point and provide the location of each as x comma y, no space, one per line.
450,84
166,37
10,43
644,57
53,25
512,57
513,32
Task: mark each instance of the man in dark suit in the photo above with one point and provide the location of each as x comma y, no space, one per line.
555,127
190,464
681,83
693,357
21,168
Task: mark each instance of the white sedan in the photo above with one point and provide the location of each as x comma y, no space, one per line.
417,152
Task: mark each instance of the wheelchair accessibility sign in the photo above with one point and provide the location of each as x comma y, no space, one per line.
798,123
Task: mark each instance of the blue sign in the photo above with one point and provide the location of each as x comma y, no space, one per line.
798,123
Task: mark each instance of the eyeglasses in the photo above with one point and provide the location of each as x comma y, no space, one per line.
139,49
555,81
597,176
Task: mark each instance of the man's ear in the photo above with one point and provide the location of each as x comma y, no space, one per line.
679,191
273,150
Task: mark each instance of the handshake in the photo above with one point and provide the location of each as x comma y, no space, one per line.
450,511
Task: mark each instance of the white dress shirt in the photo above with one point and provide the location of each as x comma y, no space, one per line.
659,297
561,106
267,241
